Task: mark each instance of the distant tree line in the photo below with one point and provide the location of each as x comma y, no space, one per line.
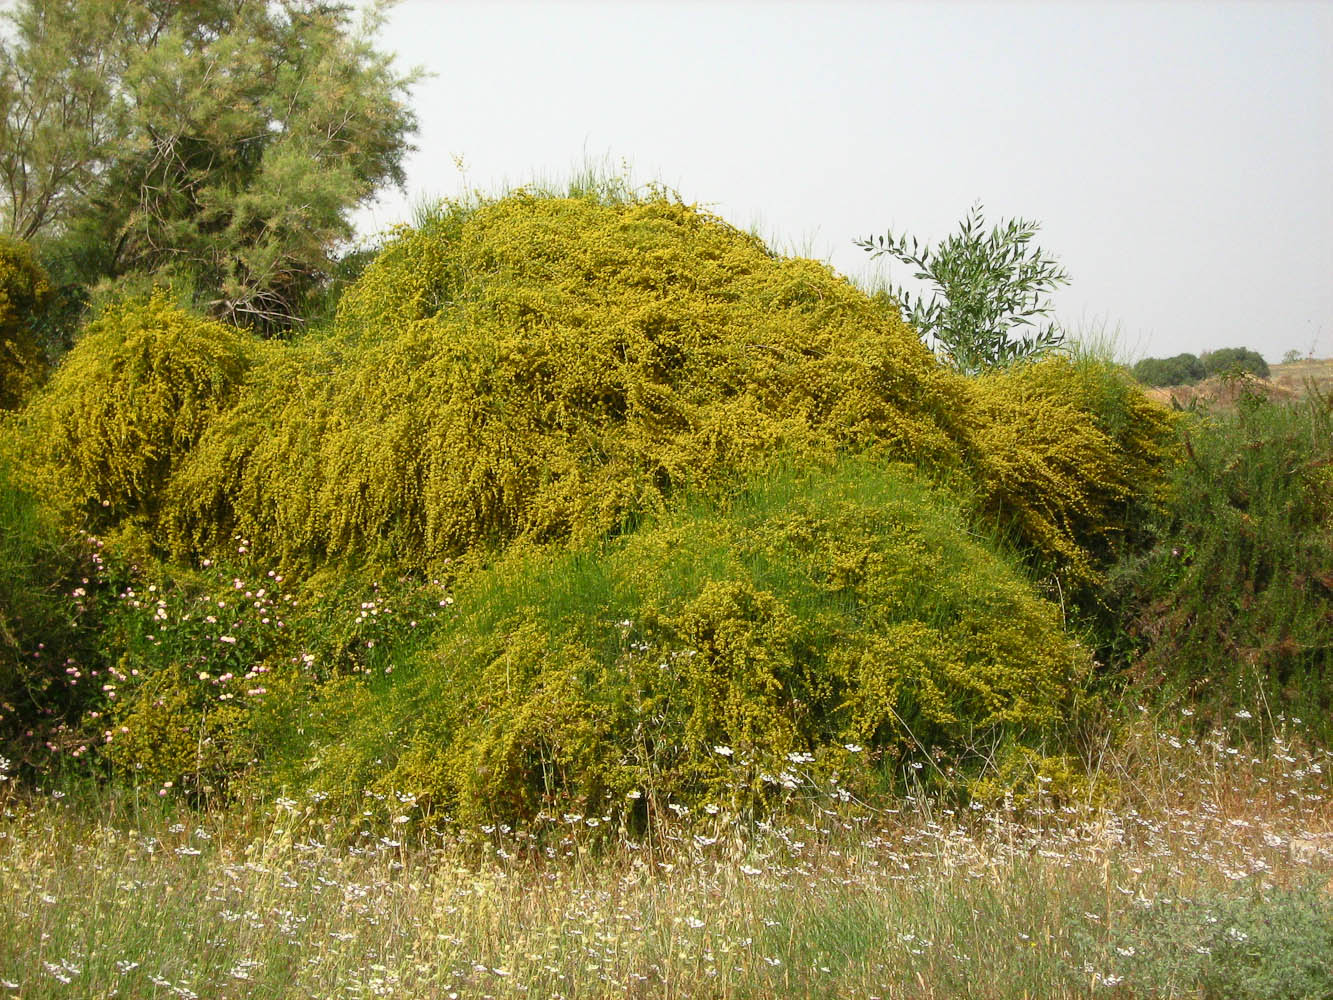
1186,369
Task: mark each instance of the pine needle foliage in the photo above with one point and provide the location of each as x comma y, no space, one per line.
224,144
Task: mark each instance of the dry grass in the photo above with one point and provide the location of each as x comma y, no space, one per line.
1300,376
1286,383
922,901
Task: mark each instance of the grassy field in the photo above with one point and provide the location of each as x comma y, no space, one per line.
1208,875
1299,376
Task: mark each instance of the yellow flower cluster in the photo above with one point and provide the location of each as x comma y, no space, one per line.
547,368
132,399
1062,450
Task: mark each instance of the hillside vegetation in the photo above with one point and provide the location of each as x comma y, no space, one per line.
570,413
587,528
569,595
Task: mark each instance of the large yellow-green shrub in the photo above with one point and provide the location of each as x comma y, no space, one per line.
547,367
596,386
1063,451
833,627
25,291
131,399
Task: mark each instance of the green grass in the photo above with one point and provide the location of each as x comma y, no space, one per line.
1189,893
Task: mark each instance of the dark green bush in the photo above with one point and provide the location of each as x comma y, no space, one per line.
1235,360
1231,606
50,590
203,663
1183,369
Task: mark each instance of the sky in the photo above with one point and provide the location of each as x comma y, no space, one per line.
1178,157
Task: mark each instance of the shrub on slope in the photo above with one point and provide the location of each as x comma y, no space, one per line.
1234,361
25,292
128,404
1071,454
549,369
48,618
545,368
825,626
1232,606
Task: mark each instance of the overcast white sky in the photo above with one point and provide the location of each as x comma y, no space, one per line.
1178,156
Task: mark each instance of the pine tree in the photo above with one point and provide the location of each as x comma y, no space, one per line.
223,144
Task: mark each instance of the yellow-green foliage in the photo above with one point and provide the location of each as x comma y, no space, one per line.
1024,775
203,668
1062,450
172,730
544,367
825,624
538,370
550,368
25,291
131,398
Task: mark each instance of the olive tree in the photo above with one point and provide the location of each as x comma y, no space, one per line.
986,288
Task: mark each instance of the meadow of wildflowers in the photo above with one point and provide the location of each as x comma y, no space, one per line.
1172,891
